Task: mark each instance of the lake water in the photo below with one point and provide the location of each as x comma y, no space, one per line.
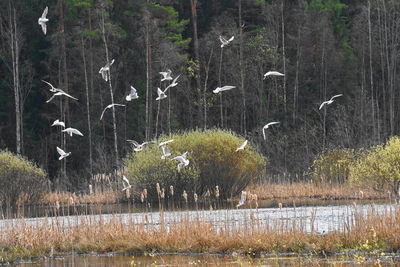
211,260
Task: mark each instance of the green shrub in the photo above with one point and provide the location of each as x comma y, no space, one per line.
333,166
20,180
380,167
213,161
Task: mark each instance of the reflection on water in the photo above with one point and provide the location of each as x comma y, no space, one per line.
212,260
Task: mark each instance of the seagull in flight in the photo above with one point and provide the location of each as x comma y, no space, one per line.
223,88
58,123
273,73
182,161
242,146
173,84
126,183
166,152
72,131
166,75
62,153
225,42
59,93
110,106
266,127
138,147
161,94
53,89
42,20
328,102
105,71
132,95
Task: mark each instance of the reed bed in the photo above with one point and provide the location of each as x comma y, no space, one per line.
372,233
315,190
108,196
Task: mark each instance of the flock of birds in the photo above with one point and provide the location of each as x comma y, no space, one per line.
162,94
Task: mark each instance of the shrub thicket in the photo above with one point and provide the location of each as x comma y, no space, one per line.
333,166
20,180
379,168
213,161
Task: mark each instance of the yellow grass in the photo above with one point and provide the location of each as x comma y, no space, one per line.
372,233
315,190
109,196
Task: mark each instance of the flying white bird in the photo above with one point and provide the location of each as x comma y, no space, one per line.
105,71
273,73
223,88
59,93
126,183
328,102
139,147
266,127
165,142
166,75
225,42
58,123
110,106
132,95
242,146
62,153
173,84
72,131
166,152
182,161
42,20
243,198
53,89
161,94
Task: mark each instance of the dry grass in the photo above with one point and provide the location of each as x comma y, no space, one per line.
371,233
109,196
314,190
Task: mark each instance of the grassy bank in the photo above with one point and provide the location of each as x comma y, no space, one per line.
373,234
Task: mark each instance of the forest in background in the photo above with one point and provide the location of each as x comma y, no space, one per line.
324,47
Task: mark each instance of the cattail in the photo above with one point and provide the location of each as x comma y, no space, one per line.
71,201
145,193
207,194
171,190
128,193
217,191
141,197
280,205
90,189
185,196
162,193
361,194
158,189
195,197
57,205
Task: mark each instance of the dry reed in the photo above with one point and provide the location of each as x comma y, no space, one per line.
315,190
18,239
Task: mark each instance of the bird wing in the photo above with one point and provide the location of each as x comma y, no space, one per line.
165,150
60,151
223,40
133,142
112,62
121,105
231,39
227,87
272,123
52,87
263,130
76,131
44,14
163,73
125,180
133,90
51,98
165,142
323,104
180,159
336,96
159,91
55,122
242,146
70,96
104,110
217,90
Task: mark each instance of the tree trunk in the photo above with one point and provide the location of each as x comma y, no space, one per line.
87,108
283,60
111,92
243,120
207,69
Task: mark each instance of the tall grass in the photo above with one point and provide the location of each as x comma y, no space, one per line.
18,239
